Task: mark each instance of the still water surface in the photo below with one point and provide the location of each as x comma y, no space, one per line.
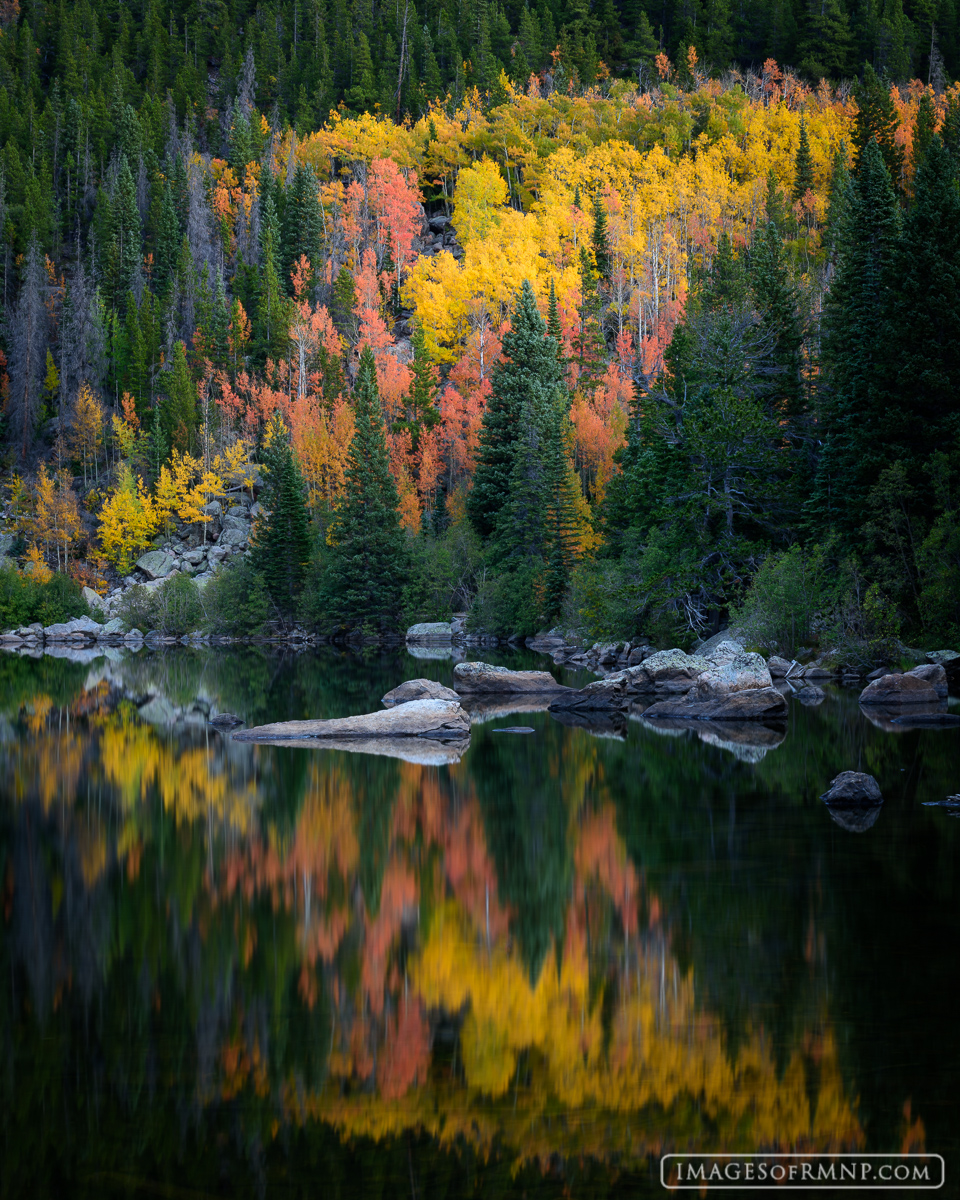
242,970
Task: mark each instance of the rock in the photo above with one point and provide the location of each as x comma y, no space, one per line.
419,750
112,628
213,509
546,643
637,655
732,669
899,689
444,720
818,671
157,564
667,672
93,600
226,720
7,542
195,557
609,654
78,629
458,625
609,693
495,707
935,675
418,689
431,632
473,678
810,696
853,788
778,667
133,635
950,661
752,704
877,674
234,535
216,554
236,518
922,720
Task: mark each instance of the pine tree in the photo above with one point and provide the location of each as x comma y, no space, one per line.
302,224
600,239
803,180
424,390
563,502
178,408
923,409
588,341
726,285
838,201
777,301
856,349
554,327
167,241
125,249
531,370
877,120
365,567
923,131
282,547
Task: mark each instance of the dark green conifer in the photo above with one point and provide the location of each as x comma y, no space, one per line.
366,565
530,371
803,180
178,407
877,120
281,550
599,238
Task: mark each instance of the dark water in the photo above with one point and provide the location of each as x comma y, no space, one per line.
246,971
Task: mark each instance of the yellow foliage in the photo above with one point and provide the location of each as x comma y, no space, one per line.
128,520
37,562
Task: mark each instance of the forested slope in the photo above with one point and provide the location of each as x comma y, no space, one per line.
596,349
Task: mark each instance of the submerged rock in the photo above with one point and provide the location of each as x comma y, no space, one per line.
853,788
444,720
418,689
474,678
226,720
855,819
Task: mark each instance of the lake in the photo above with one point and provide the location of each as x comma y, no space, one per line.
241,970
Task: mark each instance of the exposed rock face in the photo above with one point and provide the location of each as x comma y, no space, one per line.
754,704
602,694
93,600
668,672
157,564
418,689
934,674
778,667
893,690
79,629
853,788
443,720
733,670
476,678
431,632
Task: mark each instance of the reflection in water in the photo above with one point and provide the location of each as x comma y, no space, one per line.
560,948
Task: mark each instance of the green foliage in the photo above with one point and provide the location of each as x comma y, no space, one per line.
443,576
175,607
236,601
282,547
787,601
361,571
24,601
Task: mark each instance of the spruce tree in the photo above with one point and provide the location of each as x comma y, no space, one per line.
777,302
424,390
125,249
856,350
282,547
554,328
803,180
600,239
367,562
877,120
302,224
923,330
531,371
923,131
178,407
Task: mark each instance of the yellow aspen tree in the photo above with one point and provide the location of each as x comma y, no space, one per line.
37,563
128,521
66,517
43,525
87,431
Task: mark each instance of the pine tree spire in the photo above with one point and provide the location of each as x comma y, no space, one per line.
803,180
282,546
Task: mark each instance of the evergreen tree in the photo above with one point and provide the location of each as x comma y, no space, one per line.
282,547
365,567
178,408
599,238
554,328
125,248
777,302
877,120
531,371
923,131
424,390
726,285
588,341
856,350
838,202
803,180
922,413
302,224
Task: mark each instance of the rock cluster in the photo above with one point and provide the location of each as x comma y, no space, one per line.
926,684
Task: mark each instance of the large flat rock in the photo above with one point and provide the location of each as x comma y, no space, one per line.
443,720
431,632
475,678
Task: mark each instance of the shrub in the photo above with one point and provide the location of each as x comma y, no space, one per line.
792,596
511,603
236,601
24,600
174,607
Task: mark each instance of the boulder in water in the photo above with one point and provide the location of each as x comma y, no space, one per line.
899,689
418,689
443,720
853,789
480,678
